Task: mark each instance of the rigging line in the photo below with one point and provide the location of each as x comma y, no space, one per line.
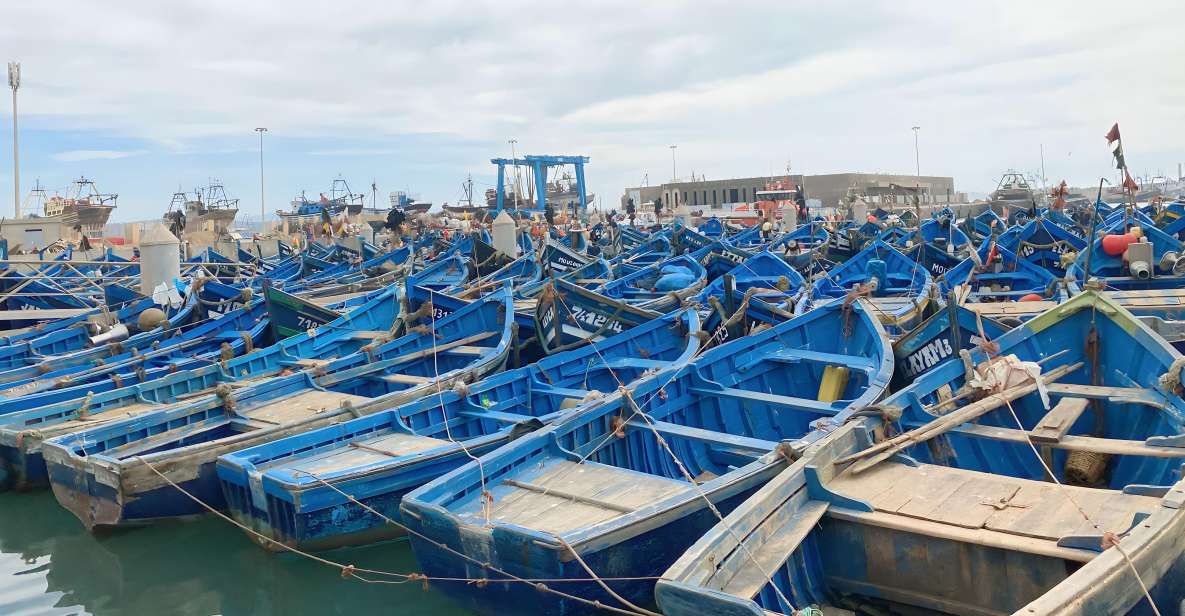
711,506
352,571
444,415
637,411
1065,492
538,583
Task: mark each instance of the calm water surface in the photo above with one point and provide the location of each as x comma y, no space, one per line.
50,565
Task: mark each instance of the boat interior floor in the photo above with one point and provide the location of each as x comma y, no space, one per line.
299,406
1037,511
360,452
563,496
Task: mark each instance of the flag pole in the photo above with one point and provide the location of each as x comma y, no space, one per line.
1091,233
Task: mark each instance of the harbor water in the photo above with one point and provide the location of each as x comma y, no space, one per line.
50,565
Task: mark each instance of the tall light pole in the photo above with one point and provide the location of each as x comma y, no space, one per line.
14,82
917,160
262,211
674,172
514,188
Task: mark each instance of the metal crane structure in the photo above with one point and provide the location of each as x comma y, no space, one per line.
539,164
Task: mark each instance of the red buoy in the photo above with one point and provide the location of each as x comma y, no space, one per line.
1032,297
1116,245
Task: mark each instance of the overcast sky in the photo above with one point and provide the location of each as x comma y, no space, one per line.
145,97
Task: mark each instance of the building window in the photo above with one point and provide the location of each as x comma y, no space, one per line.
714,202
744,197
705,197
685,196
694,198
733,195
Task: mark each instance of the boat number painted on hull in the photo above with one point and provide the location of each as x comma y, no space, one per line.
592,321
1028,250
304,322
561,263
927,357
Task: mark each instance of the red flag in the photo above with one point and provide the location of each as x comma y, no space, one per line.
1113,134
1129,183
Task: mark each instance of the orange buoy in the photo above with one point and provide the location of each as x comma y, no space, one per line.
1032,297
1116,245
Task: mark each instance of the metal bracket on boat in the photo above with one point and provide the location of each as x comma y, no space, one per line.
1094,541
255,485
1176,440
817,491
1143,489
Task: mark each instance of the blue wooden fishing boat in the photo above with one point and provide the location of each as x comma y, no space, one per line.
896,234
984,497
65,335
984,225
291,314
772,278
524,271
278,489
558,258
201,343
940,337
998,274
1154,262
804,245
712,227
662,286
936,260
568,315
898,287
622,488
445,271
108,476
1043,243
26,421
942,231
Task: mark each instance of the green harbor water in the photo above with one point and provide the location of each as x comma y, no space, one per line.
50,565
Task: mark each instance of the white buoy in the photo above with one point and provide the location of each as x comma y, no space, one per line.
789,218
160,258
504,232
860,211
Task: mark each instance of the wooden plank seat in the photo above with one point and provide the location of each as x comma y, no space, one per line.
791,355
1058,421
803,404
1069,442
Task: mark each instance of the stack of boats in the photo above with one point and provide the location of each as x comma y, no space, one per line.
953,417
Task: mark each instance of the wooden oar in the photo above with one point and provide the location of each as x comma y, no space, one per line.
887,449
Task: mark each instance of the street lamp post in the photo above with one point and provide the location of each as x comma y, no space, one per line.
262,211
917,160
14,82
674,172
512,142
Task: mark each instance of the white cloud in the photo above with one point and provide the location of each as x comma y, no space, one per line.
740,85
80,155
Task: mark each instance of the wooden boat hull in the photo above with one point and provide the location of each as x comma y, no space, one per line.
601,483
277,488
104,476
962,519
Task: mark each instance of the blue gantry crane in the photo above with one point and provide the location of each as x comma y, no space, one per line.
540,164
